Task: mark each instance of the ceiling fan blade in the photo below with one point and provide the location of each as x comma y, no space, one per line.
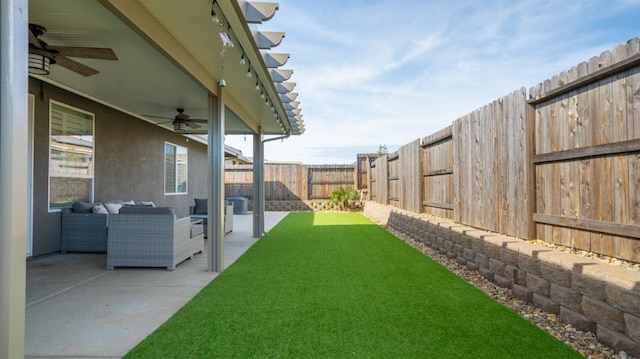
34,41
35,31
161,117
198,120
194,132
193,124
75,66
101,53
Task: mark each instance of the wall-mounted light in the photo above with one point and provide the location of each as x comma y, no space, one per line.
257,86
242,60
249,72
39,64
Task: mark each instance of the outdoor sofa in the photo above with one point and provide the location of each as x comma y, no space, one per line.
150,237
84,225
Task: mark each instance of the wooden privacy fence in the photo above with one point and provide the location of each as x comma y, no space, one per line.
587,154
562,166
288,182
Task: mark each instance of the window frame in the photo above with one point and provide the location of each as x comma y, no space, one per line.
49,148
176,169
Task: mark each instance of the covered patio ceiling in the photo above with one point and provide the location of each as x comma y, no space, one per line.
170,56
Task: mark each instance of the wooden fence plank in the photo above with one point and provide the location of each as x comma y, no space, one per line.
620,165
573,126
501,153
458,179
544,173
603,166
584,139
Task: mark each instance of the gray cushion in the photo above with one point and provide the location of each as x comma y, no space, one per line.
82,207
201,206
146,210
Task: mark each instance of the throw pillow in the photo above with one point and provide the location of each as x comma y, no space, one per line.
100,208
201,206
113,208
147,204
82,207
129,203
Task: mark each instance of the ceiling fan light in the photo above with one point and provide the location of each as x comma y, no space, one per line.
179,126
39,64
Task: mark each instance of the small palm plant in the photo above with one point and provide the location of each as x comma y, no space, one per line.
340,197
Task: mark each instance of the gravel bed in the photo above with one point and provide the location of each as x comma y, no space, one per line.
584,342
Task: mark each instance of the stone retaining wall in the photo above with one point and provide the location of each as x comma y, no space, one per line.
303,206
590,295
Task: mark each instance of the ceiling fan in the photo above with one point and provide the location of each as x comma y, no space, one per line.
181,121
41,55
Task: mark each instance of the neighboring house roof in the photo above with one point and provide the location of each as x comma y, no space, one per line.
234,154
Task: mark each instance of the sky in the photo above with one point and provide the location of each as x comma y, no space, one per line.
387,72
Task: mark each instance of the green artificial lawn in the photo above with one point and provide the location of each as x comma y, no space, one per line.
335,285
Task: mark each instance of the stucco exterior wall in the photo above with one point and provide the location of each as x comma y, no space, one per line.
129,162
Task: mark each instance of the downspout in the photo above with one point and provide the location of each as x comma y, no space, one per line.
258,219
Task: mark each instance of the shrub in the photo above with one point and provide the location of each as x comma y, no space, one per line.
341,197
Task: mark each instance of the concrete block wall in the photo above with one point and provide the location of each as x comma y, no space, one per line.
590,295
304,206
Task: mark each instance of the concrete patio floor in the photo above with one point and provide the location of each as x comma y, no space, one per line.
75,308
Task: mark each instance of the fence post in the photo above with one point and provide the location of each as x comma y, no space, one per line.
530,119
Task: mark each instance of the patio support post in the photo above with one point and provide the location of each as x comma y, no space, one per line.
13,175
215,183
258,184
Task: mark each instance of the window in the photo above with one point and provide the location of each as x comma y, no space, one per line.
71,156
175,169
